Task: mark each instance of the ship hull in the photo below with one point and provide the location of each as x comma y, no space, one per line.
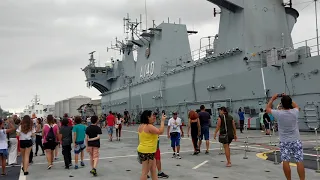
188,89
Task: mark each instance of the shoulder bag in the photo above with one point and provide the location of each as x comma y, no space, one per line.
224,138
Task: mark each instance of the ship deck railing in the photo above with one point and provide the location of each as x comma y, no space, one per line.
195,55
312,43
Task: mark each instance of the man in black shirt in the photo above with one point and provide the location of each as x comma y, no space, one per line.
93,143
266,122
204,118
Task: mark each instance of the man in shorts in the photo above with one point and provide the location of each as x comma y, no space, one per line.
290,143
110,123
93,133
175,132
204,118
158,162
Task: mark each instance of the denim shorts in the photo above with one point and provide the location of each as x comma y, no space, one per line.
204,133
110,129
289,149
175,140
80,147
4,153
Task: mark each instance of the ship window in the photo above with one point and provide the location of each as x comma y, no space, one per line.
92,75
36,111
103,71
93,71
40,111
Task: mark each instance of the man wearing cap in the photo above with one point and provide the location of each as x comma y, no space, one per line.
175,132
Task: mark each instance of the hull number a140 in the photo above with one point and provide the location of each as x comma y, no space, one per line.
147,70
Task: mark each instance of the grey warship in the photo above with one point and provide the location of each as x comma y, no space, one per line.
252,57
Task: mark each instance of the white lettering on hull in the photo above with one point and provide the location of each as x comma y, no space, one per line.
147,70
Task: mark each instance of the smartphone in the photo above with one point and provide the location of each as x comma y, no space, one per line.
279,95
163,112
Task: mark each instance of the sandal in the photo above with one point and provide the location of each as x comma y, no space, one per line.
228,165
4,174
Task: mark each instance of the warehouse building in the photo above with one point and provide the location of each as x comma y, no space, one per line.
70,106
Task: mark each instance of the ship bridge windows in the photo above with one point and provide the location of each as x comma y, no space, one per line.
95,71
93,75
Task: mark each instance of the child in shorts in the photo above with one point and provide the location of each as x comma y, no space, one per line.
93,143
79,133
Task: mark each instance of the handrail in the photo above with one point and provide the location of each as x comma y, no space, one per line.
312,42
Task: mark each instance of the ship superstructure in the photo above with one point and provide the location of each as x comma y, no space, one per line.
251,58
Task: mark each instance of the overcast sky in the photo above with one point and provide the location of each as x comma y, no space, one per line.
44,43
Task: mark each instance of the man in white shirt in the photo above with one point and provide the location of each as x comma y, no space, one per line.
175,132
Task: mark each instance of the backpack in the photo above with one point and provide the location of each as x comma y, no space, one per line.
50,136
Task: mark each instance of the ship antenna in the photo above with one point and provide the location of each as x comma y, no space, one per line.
145,8
36,99
317,31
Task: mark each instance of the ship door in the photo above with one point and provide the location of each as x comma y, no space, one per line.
215,112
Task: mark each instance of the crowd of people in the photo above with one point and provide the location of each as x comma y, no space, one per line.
49,134
198,124
19,136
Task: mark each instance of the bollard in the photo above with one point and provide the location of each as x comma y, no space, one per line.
246,148
276,157
317,150
221,152
246,127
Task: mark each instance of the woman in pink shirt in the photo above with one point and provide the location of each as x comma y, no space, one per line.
50,134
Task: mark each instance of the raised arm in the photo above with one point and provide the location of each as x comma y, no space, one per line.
269,105
159,131
294,105
11,128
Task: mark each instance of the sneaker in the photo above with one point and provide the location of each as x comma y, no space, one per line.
163,175
50,166
43,154
76,167
82,163
70,164
174,155
93,172
207,152
178,156
67,167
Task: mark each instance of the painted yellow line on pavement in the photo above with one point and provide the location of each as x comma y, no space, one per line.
264,156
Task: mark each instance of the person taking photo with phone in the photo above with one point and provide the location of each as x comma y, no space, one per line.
290,143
